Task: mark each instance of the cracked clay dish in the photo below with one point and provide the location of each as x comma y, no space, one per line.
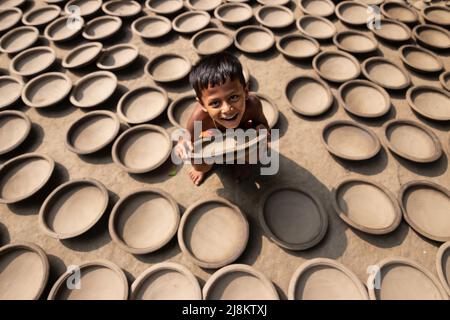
336,66
15,126
93,89
385,73
429,101
46,90
32,61
82,55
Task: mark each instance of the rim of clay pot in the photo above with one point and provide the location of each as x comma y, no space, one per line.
25,118
433,45
259,15
187,15
317,262
106,7
88,77
439,268
267,2
443,80
399,122
385,7
332,78
14,32
295,79
409,98
13,22
19,159
239,248
116,211
337,43
77,50
302,5
352,83
272,104
134,26
198,36
253,28
427,18
71,35
238,268
213,4
161,267
125,135
319,18
53,295
289,37
47,8
379,60
16,96
388,38
175,104
404,50
30,52
338,123
171,11
277,240
79,122
341,212
130,58
417,184
402,261
41,78
162,56
81,13
37,250
99,20
233,5
59,193
347,4
54,1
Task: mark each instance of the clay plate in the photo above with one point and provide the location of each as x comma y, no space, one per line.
323,8
41,16
391,30
86,7
18,39
10,90
122,8
233,13
437,14
144,221
316,27
270,109
159,281
210,41
25,269
430,102
92,132
385,73
181,109
270,2
164,7
32,61
142,148
118,57
151,27
443,266
23,176
444,78
355,42
353,13
9,17
213,233
420,59
254,39
168,67
399,11
204,5
101,28
274,16
431,36
191,22
93,89
46,90
336,66
15,127
297,46
58,30
325,279
82,55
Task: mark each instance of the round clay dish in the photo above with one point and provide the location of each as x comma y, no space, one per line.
9,17
181,109
101,28
391,30
10,90
430,102
353,13
93,89
437,14
12,3
32,61
323,8
85,7
316,27
59,30
443,266
144,221
385,73
210,41
213,233
274,16
355,42
399,11
254,39
46,90
122,8
444,78
41,16
233,13
270,109
164,7
431,36
118,57
270,2
191,22
82,55
297,46
203,5
151,27
420,59
168,67
18,39
15,126
336,66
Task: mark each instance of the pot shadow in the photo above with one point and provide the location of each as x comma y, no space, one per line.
428,76
124,35
164,254
133,71
367,167
375,122
327,114
394,45
433,169
57,268
31,143
282,124
70,44
163,41
100,157
4,235
438,125
253,84
386,241
159,175
303,64
179,86
59,110
111,103
267,55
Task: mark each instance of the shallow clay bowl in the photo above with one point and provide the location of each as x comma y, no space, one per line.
443,266
420,59
15,127
25,269
350,141
181,109
399,11
203,5
18,39
58,30
367,206
85,7
164,7
10,90
142,104
46,90
191,22
158,283
213,233
364,99
426,207
353,13
92,132
9,17
292,218
325,279
308,95
437,14
254,39
316,27
118,57
144,221
404,279
142,148
239,282
23,176
391,30
151,27
270,109
298,46
233,13
355,42
269,2
41,16
93,89
122,8
168,67
323,8
210,41
431,36
412,141
336,66
101,280
430,102
274,16
444,78
32,61
82,55
385,73
101,28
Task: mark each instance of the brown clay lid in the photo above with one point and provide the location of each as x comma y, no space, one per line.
9,17
168,67
298,46
274,16
210,41
100,280
122,8
92,132
118,57
46,90
233,13
254,39
437,14
355,42
164,7
93,89
85,7
191,22
391,30
59,30
166,281
213,233
18,39
270,109
41,16
10,90
444,78
203,5
420,59
432,36
322,8
151,27
316,27
25,269
15,127
144,221
336,66
399,11
82,55
443,266
385,73
239,282
32,61
181,109
353,13
430,102
23,176
366,205
325,279
101,28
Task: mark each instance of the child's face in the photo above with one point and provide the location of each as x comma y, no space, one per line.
225,104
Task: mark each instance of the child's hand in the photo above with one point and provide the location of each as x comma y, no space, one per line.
206,134
182,147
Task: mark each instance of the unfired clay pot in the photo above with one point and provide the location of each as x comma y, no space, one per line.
355,42
204,5
59,30
353,13
385,73
181,109
93,89
168,67
210,41
9,17
233,13
431,36
41,16
254,39
420,59
322,8
191,22
122,8
336,66
297,46
274,16
118,57
85,7
316,27
430,102
444,79
399,11
46,90
33,61
151,27
101,28
437,14
443,266
15,127
164,7
10,90
270,109
18,39
82,55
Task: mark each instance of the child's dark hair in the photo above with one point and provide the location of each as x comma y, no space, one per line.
215,70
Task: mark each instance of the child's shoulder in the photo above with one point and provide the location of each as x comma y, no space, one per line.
253,101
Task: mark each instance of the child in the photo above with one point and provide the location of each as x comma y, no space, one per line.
223,102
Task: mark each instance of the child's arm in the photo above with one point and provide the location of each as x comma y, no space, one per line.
259,119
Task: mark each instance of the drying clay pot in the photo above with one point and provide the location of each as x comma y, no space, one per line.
101,280
118,57
274,17
18,39
85,7
210,41
431,36
41,16
9,17
82,55
23,176
350,141
191,22
430,102
443,266
203,5
385,73
101,28
92,132
233,13
270,109
353,13
239,282
336,66
323,8
46,90
420,59
213,233
373,2
270,2
437,14
144,221
355,42
15,127
325,279
10,90
122,8
12,3
444,78
33,61
164,7
151,27
297,46
391,30
25,269
399,11
254,39
59,30
168,67
142,104
181,109
93,89
316,27
166,281
366,205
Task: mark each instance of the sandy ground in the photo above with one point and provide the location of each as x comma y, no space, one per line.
304,162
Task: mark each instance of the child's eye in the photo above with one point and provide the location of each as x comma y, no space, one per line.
234,98
215,104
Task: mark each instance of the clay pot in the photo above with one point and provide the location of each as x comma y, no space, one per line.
270,109
32,61
353,13
181,109
254,39
15,126
203,5
41,16
82,55
274,16
437,14
164,7
385,73
234,13
420,59
430,102
46,90
59,30
118,57
270,2
151,27
9,17
10,90
355,42
399,11
86,7
391,30
442,266
444,78
18,39
101,28
431,36
93,89
210,41
297,46
191,22
168,67
122,8
323,8
336,66
12,3
316,27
